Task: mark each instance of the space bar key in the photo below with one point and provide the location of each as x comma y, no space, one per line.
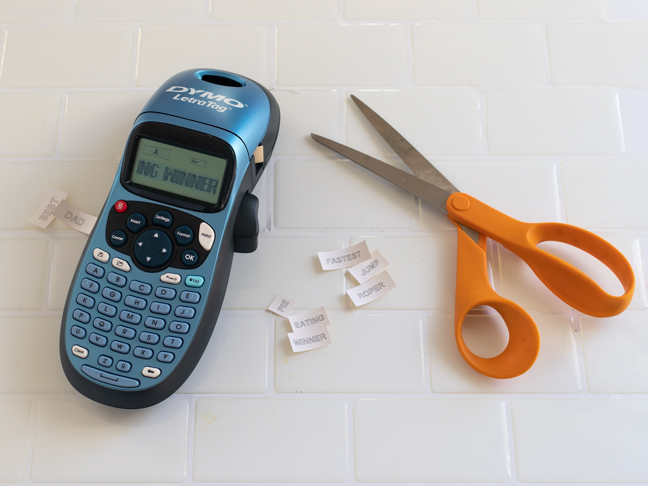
109,378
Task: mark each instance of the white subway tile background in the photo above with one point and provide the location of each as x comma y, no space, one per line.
537,107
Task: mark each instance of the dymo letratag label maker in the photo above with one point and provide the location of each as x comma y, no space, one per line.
150,284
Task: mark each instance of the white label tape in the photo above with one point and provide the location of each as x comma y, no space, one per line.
306,320
370,268
372,289
346,257
74,217
282,306
44,214
313,338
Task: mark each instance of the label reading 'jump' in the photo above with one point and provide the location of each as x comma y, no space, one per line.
370,268
346,257
306,320
372,289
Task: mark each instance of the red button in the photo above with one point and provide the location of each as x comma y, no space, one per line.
121,206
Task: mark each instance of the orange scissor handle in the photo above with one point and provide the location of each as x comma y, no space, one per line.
473,289
567,282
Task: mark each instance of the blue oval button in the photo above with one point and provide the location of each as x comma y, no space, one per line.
194,281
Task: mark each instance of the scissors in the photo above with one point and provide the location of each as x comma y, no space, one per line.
475,222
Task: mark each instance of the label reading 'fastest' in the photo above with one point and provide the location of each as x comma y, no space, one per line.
346,257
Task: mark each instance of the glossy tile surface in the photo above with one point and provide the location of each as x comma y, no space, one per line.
614,350
341,54
329,194
622,202
31,361
409,9
611,438
24,290
548,9
553,122
87,135
369,354
29,124
430,441
77,57
14,430
478,54
273,269
230,434
236,358
74,436
588,54
160,56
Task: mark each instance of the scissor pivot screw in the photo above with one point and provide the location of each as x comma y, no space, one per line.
460,203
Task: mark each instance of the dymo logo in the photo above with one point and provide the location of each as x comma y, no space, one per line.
206,94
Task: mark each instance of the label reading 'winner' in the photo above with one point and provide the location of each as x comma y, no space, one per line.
178,171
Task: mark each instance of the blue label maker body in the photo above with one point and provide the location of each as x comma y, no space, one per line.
151,281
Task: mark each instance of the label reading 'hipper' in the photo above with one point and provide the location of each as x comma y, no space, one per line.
372,289
282,306
312,338
345,257
370,268
306,320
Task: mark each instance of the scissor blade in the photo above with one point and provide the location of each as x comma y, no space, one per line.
422,167
420,188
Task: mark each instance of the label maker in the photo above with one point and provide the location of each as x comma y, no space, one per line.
151,281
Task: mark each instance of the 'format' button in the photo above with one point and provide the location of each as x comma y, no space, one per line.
183,235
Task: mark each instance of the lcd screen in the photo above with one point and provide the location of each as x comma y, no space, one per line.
179,171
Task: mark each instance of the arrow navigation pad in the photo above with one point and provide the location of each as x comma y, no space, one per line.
153,249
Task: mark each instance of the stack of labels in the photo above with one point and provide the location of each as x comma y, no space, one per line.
310,330
282,306
55,206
